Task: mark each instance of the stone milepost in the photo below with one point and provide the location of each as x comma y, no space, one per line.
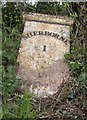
44,42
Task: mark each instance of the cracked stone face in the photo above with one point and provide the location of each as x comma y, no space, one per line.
44,42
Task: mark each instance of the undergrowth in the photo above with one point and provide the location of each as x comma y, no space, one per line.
18,103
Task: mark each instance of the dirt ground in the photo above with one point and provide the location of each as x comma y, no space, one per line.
66,104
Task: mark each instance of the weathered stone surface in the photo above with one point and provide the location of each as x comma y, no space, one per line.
44,42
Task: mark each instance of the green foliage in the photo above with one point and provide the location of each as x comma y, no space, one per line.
52,8
82,79
20,107
77,57
15,104
10,45
12,15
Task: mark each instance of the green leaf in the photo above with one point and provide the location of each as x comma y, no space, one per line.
73,65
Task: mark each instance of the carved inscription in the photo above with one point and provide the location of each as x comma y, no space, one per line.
47,33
